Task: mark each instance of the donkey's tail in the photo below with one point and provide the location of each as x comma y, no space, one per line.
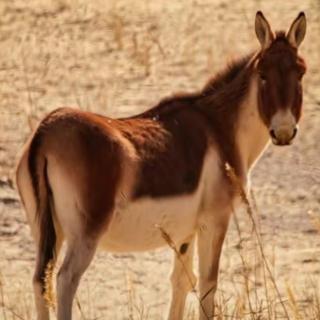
47,238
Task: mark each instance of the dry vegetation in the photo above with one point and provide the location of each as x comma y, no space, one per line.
120,57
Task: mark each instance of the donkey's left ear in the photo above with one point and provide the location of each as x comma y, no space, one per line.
297,30
263,30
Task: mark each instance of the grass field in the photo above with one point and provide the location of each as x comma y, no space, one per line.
122,57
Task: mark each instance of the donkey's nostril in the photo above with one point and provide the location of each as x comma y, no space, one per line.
295,131
272,134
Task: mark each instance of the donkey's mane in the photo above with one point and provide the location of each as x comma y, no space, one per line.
216,88
218,102
281,35
226,76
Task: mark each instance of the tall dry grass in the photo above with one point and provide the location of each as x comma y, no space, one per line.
253,302
250,300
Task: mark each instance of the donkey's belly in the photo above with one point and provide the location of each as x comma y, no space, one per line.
137,227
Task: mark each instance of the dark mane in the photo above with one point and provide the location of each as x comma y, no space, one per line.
222,78
280,42
281,35
216,86
169,104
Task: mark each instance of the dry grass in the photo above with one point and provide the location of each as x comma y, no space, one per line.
119,54
248,303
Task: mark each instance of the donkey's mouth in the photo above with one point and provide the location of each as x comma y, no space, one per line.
281,143
283,139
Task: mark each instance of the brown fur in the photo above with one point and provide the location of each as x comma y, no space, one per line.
89,152
175,152
170,140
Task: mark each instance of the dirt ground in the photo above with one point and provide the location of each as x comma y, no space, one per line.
121,57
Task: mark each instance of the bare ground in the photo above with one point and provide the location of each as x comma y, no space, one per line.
121,57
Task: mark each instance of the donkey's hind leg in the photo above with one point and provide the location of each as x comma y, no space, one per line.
78,257
183,279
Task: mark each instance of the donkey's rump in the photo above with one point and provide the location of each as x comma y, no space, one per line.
84,158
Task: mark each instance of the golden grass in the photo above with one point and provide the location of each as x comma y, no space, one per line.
249,301
247,304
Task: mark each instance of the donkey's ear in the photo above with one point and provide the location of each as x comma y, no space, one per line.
297,30
263,30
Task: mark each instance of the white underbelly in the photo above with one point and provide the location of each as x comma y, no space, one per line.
136,226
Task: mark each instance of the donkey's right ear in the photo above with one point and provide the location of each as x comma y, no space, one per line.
297,30
263,30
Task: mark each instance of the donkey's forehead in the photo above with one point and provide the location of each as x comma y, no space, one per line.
282,59
280,54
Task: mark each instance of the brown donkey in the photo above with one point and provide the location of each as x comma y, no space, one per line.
90,180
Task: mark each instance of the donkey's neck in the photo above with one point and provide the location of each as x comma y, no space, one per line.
252,136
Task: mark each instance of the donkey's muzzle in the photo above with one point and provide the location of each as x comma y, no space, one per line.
283,137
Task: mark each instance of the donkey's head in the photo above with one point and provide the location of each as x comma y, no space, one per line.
280,71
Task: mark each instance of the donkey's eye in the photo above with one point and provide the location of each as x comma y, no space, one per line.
301,71
262,77
300,75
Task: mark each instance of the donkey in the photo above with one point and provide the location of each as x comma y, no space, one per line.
94,181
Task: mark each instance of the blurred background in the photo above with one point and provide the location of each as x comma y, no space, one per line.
119,57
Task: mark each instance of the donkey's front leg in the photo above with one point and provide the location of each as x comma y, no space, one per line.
210,240
183,279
